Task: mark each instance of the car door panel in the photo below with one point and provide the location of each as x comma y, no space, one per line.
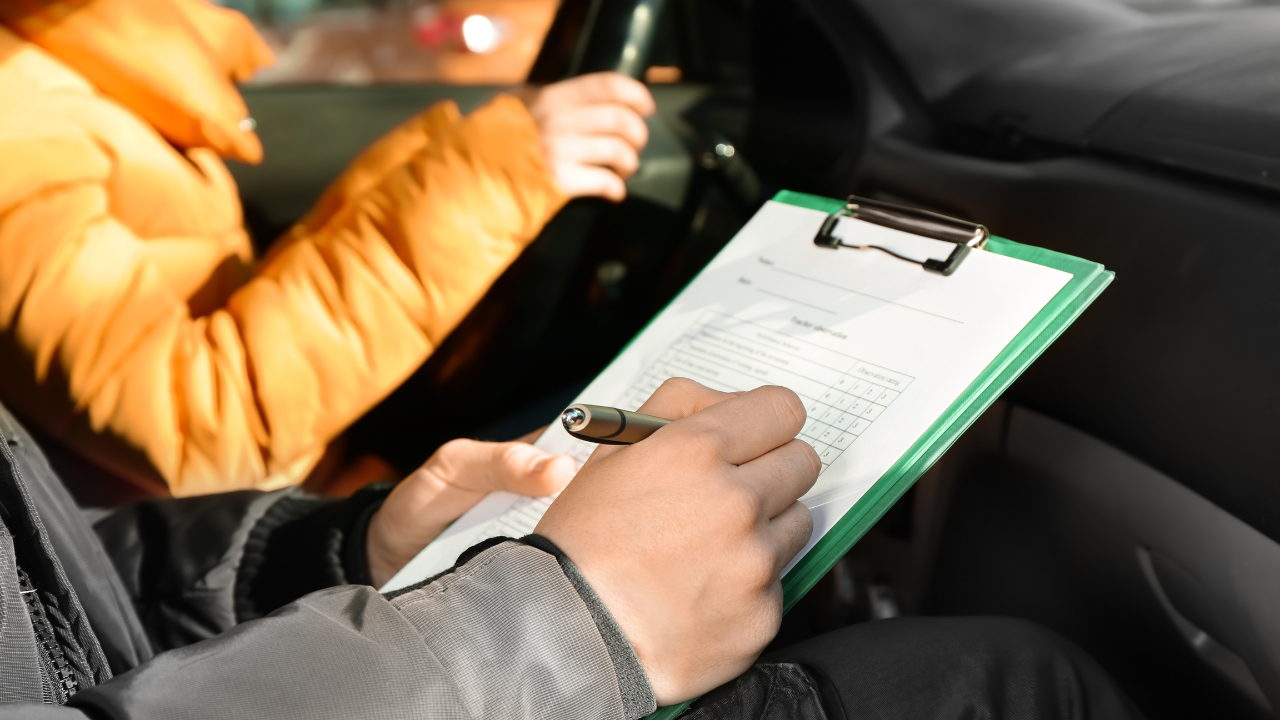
1220,575
1133,504
1172,595
1175,363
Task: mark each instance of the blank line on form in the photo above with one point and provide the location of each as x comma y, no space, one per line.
798,302
857,292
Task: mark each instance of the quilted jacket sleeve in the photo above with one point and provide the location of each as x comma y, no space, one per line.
341,313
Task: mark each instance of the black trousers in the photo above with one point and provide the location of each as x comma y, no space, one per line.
924,669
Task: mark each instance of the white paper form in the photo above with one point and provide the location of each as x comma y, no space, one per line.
877,349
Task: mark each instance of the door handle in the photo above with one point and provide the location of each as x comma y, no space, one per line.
1222,659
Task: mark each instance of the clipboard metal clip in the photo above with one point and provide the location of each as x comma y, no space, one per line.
965,235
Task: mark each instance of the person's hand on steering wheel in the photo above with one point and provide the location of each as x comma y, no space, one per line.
592,131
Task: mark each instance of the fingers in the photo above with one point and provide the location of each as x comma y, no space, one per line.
596,150
675,398
604,87
592,131
788,533
747,426
681,397
449,484
488,467
612,120
780,477
546,476
585,181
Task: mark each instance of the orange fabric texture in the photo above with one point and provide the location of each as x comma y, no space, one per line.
166,60
134,322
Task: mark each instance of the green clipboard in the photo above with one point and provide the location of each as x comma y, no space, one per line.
1088,281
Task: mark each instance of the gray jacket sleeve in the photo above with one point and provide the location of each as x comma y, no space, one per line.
504,635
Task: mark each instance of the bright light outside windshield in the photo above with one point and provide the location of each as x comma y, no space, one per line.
364,42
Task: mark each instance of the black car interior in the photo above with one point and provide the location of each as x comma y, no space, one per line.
1124,493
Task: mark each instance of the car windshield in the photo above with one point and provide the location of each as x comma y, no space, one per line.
362,42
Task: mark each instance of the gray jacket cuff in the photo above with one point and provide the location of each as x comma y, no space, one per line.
515,637
637,694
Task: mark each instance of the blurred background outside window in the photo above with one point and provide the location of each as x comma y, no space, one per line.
460,42
463,42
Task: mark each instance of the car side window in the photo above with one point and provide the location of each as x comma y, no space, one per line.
365,42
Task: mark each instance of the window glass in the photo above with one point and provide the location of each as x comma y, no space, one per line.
469,42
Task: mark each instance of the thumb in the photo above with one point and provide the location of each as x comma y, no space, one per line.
511,466
578,180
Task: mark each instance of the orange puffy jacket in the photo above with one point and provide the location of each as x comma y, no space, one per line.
134,322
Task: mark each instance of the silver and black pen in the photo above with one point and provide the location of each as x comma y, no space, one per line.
608,426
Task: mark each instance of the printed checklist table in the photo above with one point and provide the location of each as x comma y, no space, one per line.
843,394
